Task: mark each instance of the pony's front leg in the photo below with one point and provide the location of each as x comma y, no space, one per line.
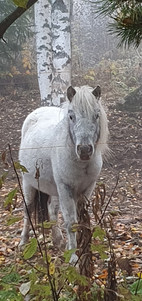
68,208
53,209
29,194
89,190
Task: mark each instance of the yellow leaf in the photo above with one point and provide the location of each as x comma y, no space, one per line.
28,72
91,72
25,65
139,275
51,268
135,229
29,66
24,60
88,77
2,259
10,74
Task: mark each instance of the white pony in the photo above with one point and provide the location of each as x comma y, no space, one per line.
67,145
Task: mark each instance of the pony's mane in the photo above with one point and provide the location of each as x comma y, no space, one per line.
85,101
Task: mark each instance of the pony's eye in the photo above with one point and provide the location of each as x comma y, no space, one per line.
71,115
96,117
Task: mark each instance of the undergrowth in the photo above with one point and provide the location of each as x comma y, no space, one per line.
39,274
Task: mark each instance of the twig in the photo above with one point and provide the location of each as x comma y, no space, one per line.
34,267
24,199
99,220
11,18
88,240
110,198
51,279
53,289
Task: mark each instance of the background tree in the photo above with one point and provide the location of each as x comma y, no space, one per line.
61,49
15,37
127,25
42,21
52,27
92,49
127,19
52,23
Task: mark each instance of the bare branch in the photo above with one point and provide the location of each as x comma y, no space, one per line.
110,198
10,19
20,187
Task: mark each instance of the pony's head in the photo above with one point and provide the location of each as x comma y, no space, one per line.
84,114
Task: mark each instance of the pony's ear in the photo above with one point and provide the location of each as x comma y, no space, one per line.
97,92
70,93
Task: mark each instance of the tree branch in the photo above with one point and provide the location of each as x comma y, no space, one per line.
10,19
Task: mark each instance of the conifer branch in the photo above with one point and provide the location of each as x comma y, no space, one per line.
127,19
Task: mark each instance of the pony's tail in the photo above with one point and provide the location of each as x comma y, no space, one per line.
41,207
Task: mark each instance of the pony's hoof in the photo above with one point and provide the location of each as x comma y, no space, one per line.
73,259
22,243
21,247
58,239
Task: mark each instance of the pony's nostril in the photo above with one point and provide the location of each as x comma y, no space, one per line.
79,149
90,148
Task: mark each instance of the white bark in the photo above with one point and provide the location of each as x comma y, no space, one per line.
44,50
61,49
53,41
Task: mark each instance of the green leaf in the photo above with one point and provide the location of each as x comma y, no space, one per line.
46,256
10,196
99,232
127,295
68,295
9,295
67,254
13,277
30,249
13,219
136,287
41,290
33,276
47,225
21,167
101,249
73,276
2,179
21,3
75,227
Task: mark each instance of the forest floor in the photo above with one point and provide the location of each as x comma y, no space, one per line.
17,100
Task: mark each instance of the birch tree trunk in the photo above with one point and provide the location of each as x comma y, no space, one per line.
61,49
44,49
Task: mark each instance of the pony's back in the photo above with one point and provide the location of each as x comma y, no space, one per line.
48,115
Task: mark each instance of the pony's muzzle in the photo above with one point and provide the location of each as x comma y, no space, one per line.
84,151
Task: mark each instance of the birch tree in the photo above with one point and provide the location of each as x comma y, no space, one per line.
61,49
52,23
44,49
